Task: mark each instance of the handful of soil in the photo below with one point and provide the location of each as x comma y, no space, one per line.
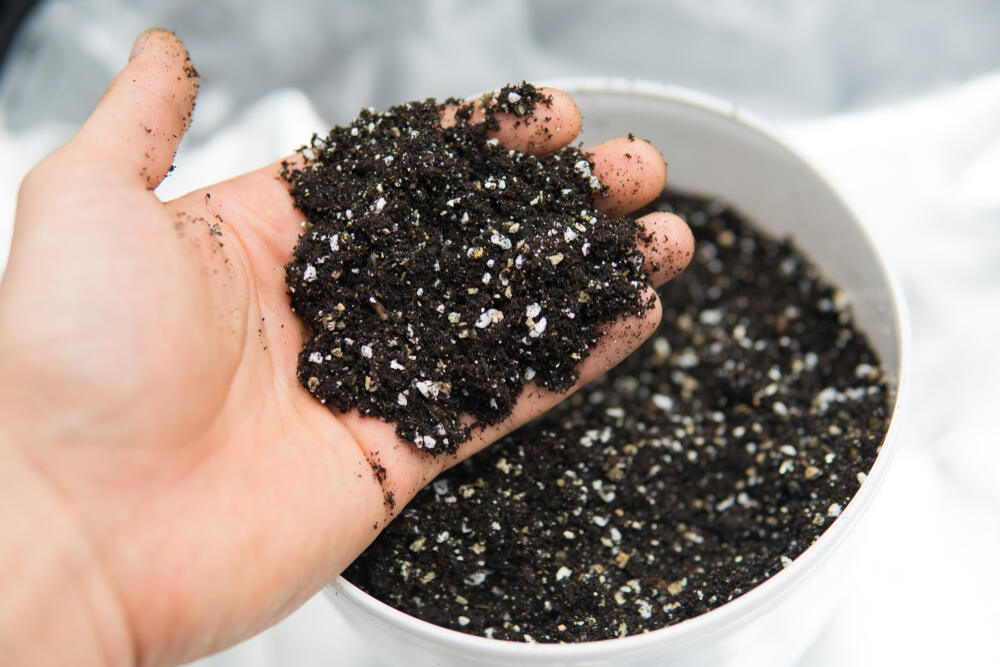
440,272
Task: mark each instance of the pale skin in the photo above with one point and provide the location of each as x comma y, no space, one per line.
167,488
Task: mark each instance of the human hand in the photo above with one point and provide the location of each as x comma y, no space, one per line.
169,487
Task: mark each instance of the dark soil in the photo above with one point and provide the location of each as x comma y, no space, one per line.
439,272
683,478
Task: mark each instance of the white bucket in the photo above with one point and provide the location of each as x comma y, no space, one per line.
714,149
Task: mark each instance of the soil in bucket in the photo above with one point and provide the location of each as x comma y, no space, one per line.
684,477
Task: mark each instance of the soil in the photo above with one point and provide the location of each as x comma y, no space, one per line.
439,272
683,478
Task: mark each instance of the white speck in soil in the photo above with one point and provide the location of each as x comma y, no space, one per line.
538,328
425,441
500,240
475,579
427,388
663,402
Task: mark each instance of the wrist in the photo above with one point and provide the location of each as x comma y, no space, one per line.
57,605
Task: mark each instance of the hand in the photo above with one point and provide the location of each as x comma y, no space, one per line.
168,486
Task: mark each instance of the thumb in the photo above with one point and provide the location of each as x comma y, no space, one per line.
132,135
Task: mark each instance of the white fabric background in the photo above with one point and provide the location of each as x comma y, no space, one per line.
898,102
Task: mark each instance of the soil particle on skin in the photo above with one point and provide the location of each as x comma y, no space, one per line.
692,472
439,272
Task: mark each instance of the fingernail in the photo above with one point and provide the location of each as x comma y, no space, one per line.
140,43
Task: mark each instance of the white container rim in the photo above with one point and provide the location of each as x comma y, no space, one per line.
767,593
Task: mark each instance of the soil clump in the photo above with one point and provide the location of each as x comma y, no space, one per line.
439,272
